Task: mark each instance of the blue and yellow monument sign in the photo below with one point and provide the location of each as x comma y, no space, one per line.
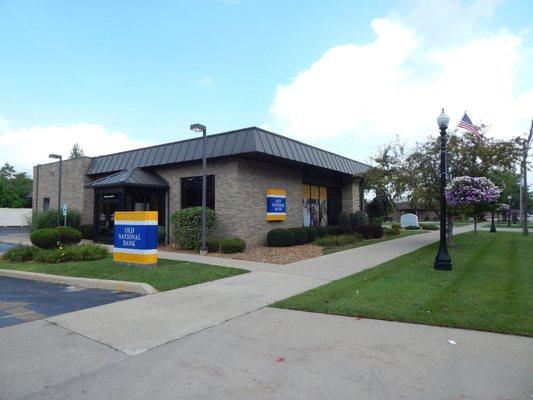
276,205
136,237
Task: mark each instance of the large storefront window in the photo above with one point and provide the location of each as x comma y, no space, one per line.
191,191
320,205
315,205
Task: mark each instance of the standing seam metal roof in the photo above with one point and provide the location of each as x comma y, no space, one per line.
242,141
132,177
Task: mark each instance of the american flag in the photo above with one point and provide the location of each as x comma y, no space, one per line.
467,124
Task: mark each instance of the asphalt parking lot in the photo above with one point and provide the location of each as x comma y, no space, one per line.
24,300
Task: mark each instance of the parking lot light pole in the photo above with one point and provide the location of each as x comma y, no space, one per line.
201,128
60,158
443,261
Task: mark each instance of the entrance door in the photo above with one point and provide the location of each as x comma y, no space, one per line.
105,216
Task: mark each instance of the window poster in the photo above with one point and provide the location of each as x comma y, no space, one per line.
314,205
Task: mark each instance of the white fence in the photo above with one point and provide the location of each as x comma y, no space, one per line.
15,216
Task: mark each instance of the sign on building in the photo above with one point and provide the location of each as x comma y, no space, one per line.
276,205
135,237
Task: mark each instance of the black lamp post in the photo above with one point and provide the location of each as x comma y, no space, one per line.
201,128
509,199
492,226
60,158
443,261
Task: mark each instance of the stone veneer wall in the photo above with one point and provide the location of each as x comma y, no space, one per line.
73,193
351,194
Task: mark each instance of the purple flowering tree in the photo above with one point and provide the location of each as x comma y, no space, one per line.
472,193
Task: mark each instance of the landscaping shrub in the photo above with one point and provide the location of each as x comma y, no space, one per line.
395,225
321,231
344,218
311,233
45,238
86,231
412,227
20,253
345,230
429,227
161,234
82,252
391,231
213,245
233,245
186,226
377,231
333,230
300,235
280,238
365,231
335,241
68,235
358,218
48,219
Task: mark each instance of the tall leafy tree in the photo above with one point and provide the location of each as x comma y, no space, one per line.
14,187
76,151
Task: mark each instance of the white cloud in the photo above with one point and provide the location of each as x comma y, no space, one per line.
27,146
205,81
364,94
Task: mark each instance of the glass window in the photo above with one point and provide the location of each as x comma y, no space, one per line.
46,203
191,191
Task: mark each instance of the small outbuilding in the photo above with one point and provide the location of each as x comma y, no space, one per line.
250,172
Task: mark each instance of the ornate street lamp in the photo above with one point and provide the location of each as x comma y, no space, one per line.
443,261
201,128
60,158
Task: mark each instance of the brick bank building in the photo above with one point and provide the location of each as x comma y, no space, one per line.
242,165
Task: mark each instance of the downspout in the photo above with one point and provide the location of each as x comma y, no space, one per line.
167,223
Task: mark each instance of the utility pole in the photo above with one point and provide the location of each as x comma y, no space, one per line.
523,183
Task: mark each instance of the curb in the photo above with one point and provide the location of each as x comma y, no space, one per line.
121,286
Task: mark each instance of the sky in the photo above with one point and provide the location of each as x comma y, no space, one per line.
347,76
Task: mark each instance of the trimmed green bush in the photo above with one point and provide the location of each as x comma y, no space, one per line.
395,225
412,227
344,218
20,253
321,231
391,231
213,244
345,230
335,241
280,238
86,231
333,230
161,234
358,218
365,231
311,233
232,245
300,235
68,235
186,226
48,219
429,227
377,231
45,238
82,252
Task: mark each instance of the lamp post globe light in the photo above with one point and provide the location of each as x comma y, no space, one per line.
201,128
60,158
509,199
443,261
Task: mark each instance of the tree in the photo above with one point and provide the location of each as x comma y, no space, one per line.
378,207
14,187
76,151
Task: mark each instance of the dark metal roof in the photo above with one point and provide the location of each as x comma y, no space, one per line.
130,177
242,141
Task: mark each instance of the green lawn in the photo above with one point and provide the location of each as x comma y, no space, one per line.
403,233
168,274
515,226
490,287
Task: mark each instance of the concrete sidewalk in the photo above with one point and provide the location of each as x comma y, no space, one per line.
141,324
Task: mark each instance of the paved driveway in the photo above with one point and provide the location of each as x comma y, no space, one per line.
24,300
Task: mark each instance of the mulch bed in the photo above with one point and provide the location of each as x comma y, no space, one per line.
271,255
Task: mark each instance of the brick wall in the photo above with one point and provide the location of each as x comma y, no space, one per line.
72,191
